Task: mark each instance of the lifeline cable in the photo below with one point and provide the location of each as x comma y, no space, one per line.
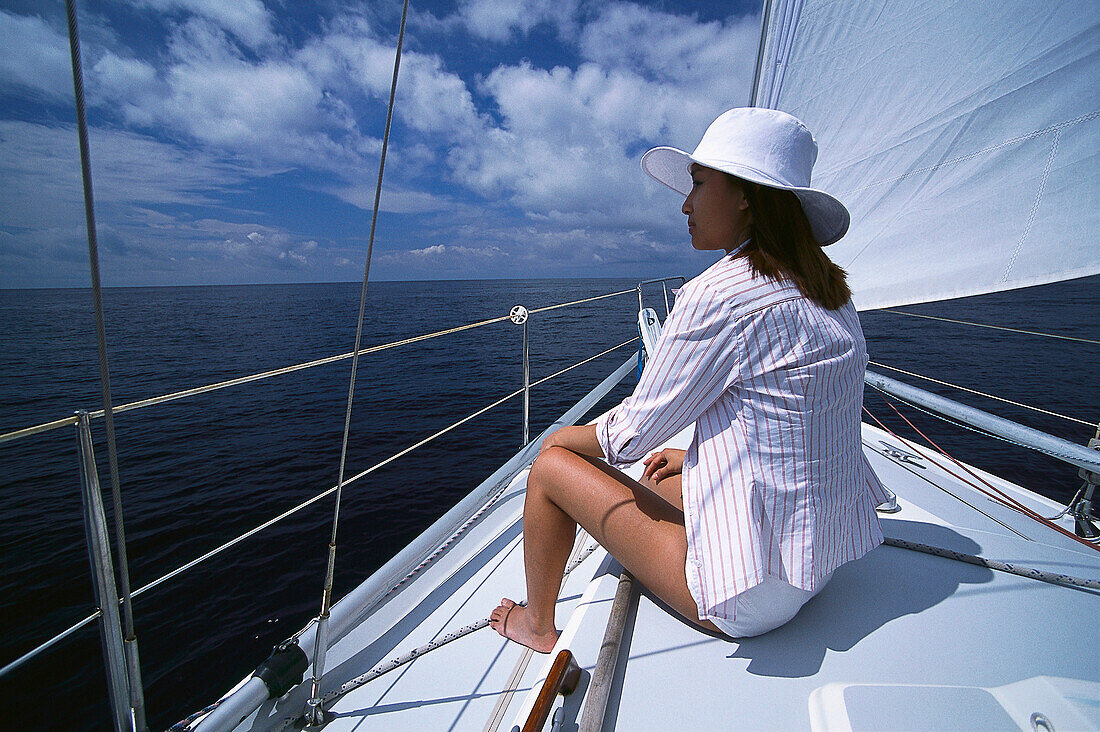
982,393
994,327
151,401
289,512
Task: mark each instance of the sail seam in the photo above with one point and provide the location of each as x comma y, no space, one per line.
1057,128
1034,206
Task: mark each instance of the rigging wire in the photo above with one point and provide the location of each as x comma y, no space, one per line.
133,668
994,327
1071,504
314,714
984,394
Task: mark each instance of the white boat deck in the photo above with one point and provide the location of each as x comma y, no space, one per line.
897,640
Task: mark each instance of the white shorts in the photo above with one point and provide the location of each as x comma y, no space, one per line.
765,607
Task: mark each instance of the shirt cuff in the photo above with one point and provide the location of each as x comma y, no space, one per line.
603,436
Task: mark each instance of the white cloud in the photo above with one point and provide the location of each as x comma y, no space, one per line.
429,98
294,108
438,250
128,84
238,105
395,198
498,20
248,20
258,248
40,167
511,167
444,260
570,141
35,56
567,149
41,207
673,48
277,111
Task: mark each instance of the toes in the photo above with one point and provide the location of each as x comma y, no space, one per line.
498,619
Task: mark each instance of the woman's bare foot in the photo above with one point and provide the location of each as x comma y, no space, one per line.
514,623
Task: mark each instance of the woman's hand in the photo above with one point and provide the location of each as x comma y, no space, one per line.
663,464
554,439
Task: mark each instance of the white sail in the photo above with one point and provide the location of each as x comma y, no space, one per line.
963,138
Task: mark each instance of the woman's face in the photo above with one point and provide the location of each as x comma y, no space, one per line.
717,211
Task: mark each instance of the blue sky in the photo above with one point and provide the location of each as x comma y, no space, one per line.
237,141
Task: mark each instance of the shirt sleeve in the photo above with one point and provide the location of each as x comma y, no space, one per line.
693,360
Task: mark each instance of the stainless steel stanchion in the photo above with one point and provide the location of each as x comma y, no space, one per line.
103,579
519,316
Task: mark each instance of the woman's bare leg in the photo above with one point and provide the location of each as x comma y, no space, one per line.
641,529
670,489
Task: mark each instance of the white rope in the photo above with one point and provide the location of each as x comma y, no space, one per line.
1030,572
59,637
982,393
994,327
578,302
69,421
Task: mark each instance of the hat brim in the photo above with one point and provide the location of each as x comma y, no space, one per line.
829,218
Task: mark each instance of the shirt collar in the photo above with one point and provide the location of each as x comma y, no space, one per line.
740,248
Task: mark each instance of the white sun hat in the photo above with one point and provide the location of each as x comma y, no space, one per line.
764,146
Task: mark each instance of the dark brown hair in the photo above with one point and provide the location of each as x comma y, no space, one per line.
783,245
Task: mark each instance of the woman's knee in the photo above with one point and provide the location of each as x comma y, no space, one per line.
548,467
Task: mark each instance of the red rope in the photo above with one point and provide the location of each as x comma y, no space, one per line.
1022,509
996,495
1000,495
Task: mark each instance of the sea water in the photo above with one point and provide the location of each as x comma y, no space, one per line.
199,471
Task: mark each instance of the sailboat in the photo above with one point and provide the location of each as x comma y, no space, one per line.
963,140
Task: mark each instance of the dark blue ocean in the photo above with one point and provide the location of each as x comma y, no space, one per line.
197,472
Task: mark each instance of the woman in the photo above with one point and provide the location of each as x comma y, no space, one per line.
763,353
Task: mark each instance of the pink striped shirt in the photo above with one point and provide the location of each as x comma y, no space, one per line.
775,482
